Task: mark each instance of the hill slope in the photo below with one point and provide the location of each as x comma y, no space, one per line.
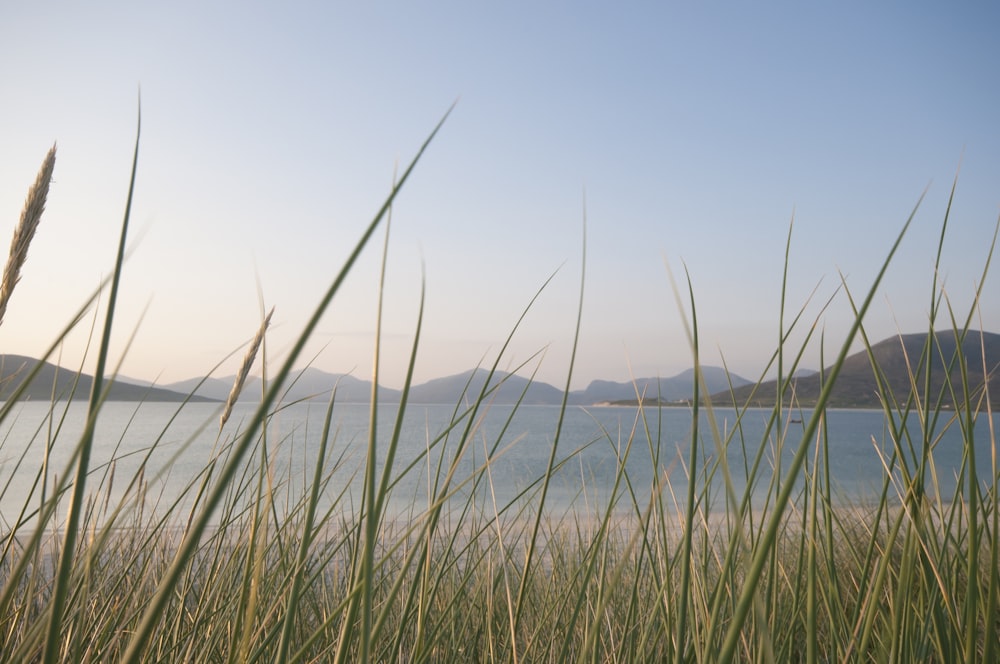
898,358
52,380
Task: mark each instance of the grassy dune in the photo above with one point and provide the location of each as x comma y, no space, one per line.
237,575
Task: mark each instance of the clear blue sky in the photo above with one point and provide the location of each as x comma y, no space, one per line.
685,134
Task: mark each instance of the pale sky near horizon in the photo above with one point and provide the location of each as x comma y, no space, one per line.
680,135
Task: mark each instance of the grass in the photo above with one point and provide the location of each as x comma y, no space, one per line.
256,563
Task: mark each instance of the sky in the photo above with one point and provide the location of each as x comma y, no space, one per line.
598,150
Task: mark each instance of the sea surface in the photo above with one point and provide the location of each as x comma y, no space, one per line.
507,449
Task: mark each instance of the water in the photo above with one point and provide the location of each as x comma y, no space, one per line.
590,447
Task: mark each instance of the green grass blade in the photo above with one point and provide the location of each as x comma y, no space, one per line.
51,651
728,650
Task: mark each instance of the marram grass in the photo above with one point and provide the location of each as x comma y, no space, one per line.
257,564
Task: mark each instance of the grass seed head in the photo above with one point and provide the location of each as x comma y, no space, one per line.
34,205
244,371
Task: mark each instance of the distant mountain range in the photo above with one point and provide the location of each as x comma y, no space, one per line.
505,388
312,383
855,387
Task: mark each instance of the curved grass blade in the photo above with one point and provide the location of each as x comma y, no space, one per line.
51,649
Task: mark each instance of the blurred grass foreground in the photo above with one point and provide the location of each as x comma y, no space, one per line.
230,573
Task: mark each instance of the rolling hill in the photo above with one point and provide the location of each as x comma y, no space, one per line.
53,381
898,358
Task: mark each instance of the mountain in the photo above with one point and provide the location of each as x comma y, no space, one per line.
307,384
466,386
216,389
897,358
677,388
52,380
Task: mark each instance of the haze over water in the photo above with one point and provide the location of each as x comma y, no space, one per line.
591,442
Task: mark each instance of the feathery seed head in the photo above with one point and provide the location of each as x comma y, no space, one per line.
244,371
34,205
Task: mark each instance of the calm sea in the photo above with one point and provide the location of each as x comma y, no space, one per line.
591,446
